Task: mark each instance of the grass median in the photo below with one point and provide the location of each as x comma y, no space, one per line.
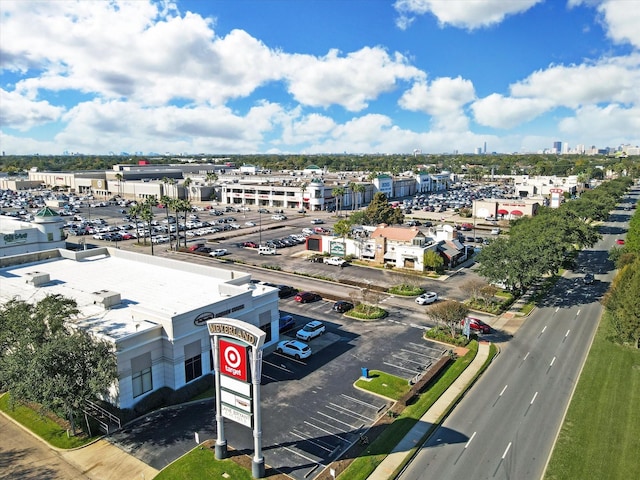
600,437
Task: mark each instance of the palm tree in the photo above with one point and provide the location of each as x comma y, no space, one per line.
183,206
147,216
358,188
303,188
186,184
168,181
211,177
338,193
134,212
166,202
119,177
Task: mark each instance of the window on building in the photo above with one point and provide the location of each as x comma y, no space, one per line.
192,361
193,368
141,376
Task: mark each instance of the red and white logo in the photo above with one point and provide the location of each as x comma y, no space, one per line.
233,360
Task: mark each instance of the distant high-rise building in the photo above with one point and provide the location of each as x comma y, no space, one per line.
485,148
557,147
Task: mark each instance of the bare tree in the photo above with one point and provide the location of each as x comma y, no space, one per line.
474,287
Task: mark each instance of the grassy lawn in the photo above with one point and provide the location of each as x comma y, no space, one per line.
201,464
41,425
209,393
600,438
382,383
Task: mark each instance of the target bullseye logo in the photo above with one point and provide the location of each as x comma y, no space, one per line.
233,360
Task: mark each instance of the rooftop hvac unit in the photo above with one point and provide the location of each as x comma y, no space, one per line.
106,298
37,278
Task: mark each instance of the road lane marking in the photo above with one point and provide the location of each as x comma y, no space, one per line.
469,441
505,387
577,313
506,451
565,336
534,398
553,360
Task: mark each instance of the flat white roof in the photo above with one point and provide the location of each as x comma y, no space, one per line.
156,287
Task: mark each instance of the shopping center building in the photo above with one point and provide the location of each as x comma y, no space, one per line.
152,309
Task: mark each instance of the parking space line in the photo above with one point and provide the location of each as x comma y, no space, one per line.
335,419
328,432
281,367
349,413
408,360
273,379
309,439
309,459
400,368
361,402
417,354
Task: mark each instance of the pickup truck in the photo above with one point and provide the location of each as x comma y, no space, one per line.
335,261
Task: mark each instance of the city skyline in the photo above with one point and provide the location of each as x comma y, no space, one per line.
278,76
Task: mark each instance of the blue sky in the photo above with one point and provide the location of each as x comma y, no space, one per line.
317,76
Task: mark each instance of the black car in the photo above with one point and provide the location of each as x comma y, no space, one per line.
588,279
286,323
342,306
283,290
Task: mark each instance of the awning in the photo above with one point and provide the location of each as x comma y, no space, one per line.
503,212
516,212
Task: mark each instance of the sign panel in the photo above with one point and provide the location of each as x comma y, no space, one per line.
336,249
236,386
236,401
236,415
233,360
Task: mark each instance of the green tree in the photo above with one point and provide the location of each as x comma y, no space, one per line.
43,361
166,204
186,184
379,211
622,302
433,260
303,188
147,215
342,228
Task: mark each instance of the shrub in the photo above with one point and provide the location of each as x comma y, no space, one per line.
406,290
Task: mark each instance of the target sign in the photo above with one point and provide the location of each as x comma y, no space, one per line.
233,360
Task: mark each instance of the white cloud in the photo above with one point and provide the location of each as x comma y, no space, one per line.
350,81
469,14
22,114
609,80
620,19
603,125
506,112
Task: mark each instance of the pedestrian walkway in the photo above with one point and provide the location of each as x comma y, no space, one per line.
431,417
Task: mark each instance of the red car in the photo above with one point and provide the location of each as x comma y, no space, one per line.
304,297
477,325
620,241
250,244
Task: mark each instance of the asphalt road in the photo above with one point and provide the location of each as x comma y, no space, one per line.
507,424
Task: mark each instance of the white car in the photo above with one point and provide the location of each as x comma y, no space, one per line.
495,231
278,217
317,221
294,348
335,261
218,252
249,224
426,298
307,231
311,330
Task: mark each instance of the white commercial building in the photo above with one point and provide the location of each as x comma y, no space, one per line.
152,309
19,236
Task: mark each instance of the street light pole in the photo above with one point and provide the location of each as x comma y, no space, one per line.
260,229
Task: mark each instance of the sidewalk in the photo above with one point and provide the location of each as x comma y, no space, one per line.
431,417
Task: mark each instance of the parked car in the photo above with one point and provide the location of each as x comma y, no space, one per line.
218,252
249,224
426,298
340,262
294,348
342,306
195,246
278,217
250,244
305,297
317,221
495,231
286,322
311,330
588,279
477,325
620,241
263,210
